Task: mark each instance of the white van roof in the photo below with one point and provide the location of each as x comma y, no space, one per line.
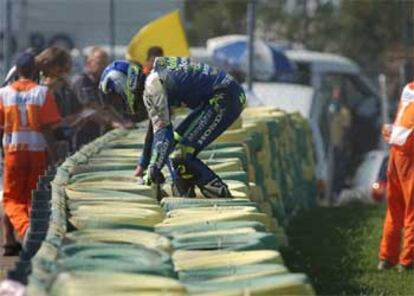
285,96
324,61
201,54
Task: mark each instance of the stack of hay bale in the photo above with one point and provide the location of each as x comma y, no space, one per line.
110,236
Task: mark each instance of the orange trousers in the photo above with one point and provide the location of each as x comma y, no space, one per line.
400,210
21,173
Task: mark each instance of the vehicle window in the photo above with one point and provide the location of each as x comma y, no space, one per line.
300,75
360,98
363,111
303,74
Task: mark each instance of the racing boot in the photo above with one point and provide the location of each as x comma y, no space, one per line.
215,188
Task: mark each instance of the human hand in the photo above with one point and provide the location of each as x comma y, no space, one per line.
155,175
128,124
139,171
386,132
116,124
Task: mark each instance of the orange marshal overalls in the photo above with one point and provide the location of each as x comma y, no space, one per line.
25,107
400,186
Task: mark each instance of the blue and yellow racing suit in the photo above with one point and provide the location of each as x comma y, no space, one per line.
216,101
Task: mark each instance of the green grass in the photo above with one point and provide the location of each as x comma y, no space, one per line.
337,248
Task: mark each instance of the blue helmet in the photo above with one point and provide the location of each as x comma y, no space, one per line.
114,77
122,78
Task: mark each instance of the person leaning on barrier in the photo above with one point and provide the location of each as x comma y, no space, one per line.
54,66
86,89
27,113
214,98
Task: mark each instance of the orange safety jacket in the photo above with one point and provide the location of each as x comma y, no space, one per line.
402,131
26,107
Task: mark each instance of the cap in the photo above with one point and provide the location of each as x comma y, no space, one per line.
25,61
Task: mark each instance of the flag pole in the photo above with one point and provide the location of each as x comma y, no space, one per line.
7,37
251,18
112,29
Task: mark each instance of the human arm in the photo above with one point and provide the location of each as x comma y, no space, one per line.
156,103
144,160
117,120
48,134
48,120
87,93
108,115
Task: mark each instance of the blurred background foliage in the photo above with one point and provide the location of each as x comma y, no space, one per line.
372,32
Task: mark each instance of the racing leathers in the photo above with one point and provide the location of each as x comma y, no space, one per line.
216,101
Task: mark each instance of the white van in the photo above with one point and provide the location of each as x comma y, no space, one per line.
310,93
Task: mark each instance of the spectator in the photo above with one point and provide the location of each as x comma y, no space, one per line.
54,65
400,188
152,53
27,112
339,126
85,87
238,75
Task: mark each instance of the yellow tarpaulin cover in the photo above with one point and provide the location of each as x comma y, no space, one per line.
166,31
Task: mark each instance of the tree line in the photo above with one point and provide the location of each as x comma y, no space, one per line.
378,34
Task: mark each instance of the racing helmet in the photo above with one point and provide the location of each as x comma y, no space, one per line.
123,78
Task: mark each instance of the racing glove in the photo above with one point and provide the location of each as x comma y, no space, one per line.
155,175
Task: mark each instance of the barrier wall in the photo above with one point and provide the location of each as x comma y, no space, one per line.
106,235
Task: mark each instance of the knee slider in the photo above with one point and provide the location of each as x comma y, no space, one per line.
180,160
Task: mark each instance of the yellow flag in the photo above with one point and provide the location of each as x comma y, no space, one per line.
166,32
